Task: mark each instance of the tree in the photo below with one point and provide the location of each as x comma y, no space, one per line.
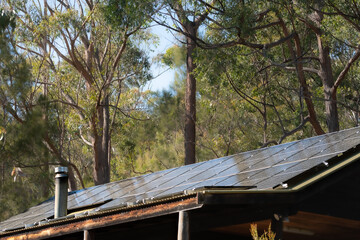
187,18
302,32
330,69
103,61
23,179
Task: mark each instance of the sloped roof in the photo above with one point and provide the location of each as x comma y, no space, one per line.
258,169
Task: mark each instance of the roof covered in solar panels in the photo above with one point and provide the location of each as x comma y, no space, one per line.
263,168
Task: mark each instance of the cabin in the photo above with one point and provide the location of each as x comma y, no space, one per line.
307,189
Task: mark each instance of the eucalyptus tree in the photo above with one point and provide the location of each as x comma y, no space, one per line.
224,25
239,46
312,45
344,18
92,64
327,52
187,18
323,53
247,102
23,181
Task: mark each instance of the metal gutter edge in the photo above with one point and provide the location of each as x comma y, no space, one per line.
251,191
327,172
249,197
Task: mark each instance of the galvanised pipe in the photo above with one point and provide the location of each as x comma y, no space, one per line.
61,191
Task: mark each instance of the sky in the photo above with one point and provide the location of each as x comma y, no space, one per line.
163,76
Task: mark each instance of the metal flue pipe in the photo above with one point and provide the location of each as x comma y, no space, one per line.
61,191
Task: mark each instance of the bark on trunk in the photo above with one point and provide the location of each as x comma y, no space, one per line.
101,143
190,97
189,29
327,78
71,179
305,89
46,168
325,73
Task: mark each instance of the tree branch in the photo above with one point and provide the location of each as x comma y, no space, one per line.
306,69
343,73
289,133
85,141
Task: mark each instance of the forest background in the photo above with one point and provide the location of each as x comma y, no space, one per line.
249,74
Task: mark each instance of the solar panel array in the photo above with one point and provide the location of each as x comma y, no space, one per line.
264,168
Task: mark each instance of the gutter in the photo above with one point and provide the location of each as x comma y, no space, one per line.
330,170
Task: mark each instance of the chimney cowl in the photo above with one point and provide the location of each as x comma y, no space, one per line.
61,169
61,172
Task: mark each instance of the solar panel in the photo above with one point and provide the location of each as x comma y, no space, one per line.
264,168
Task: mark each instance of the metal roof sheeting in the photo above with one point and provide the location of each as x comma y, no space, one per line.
262,168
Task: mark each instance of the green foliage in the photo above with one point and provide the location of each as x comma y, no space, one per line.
157,142
21,140
174,57
239,18
7,20
126,14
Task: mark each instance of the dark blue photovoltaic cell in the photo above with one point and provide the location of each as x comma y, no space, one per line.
264,168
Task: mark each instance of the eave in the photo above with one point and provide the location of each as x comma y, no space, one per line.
105,218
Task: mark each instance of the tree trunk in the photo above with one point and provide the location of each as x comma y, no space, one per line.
71,179
305,90
45,185
326,75
101,143
190,96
